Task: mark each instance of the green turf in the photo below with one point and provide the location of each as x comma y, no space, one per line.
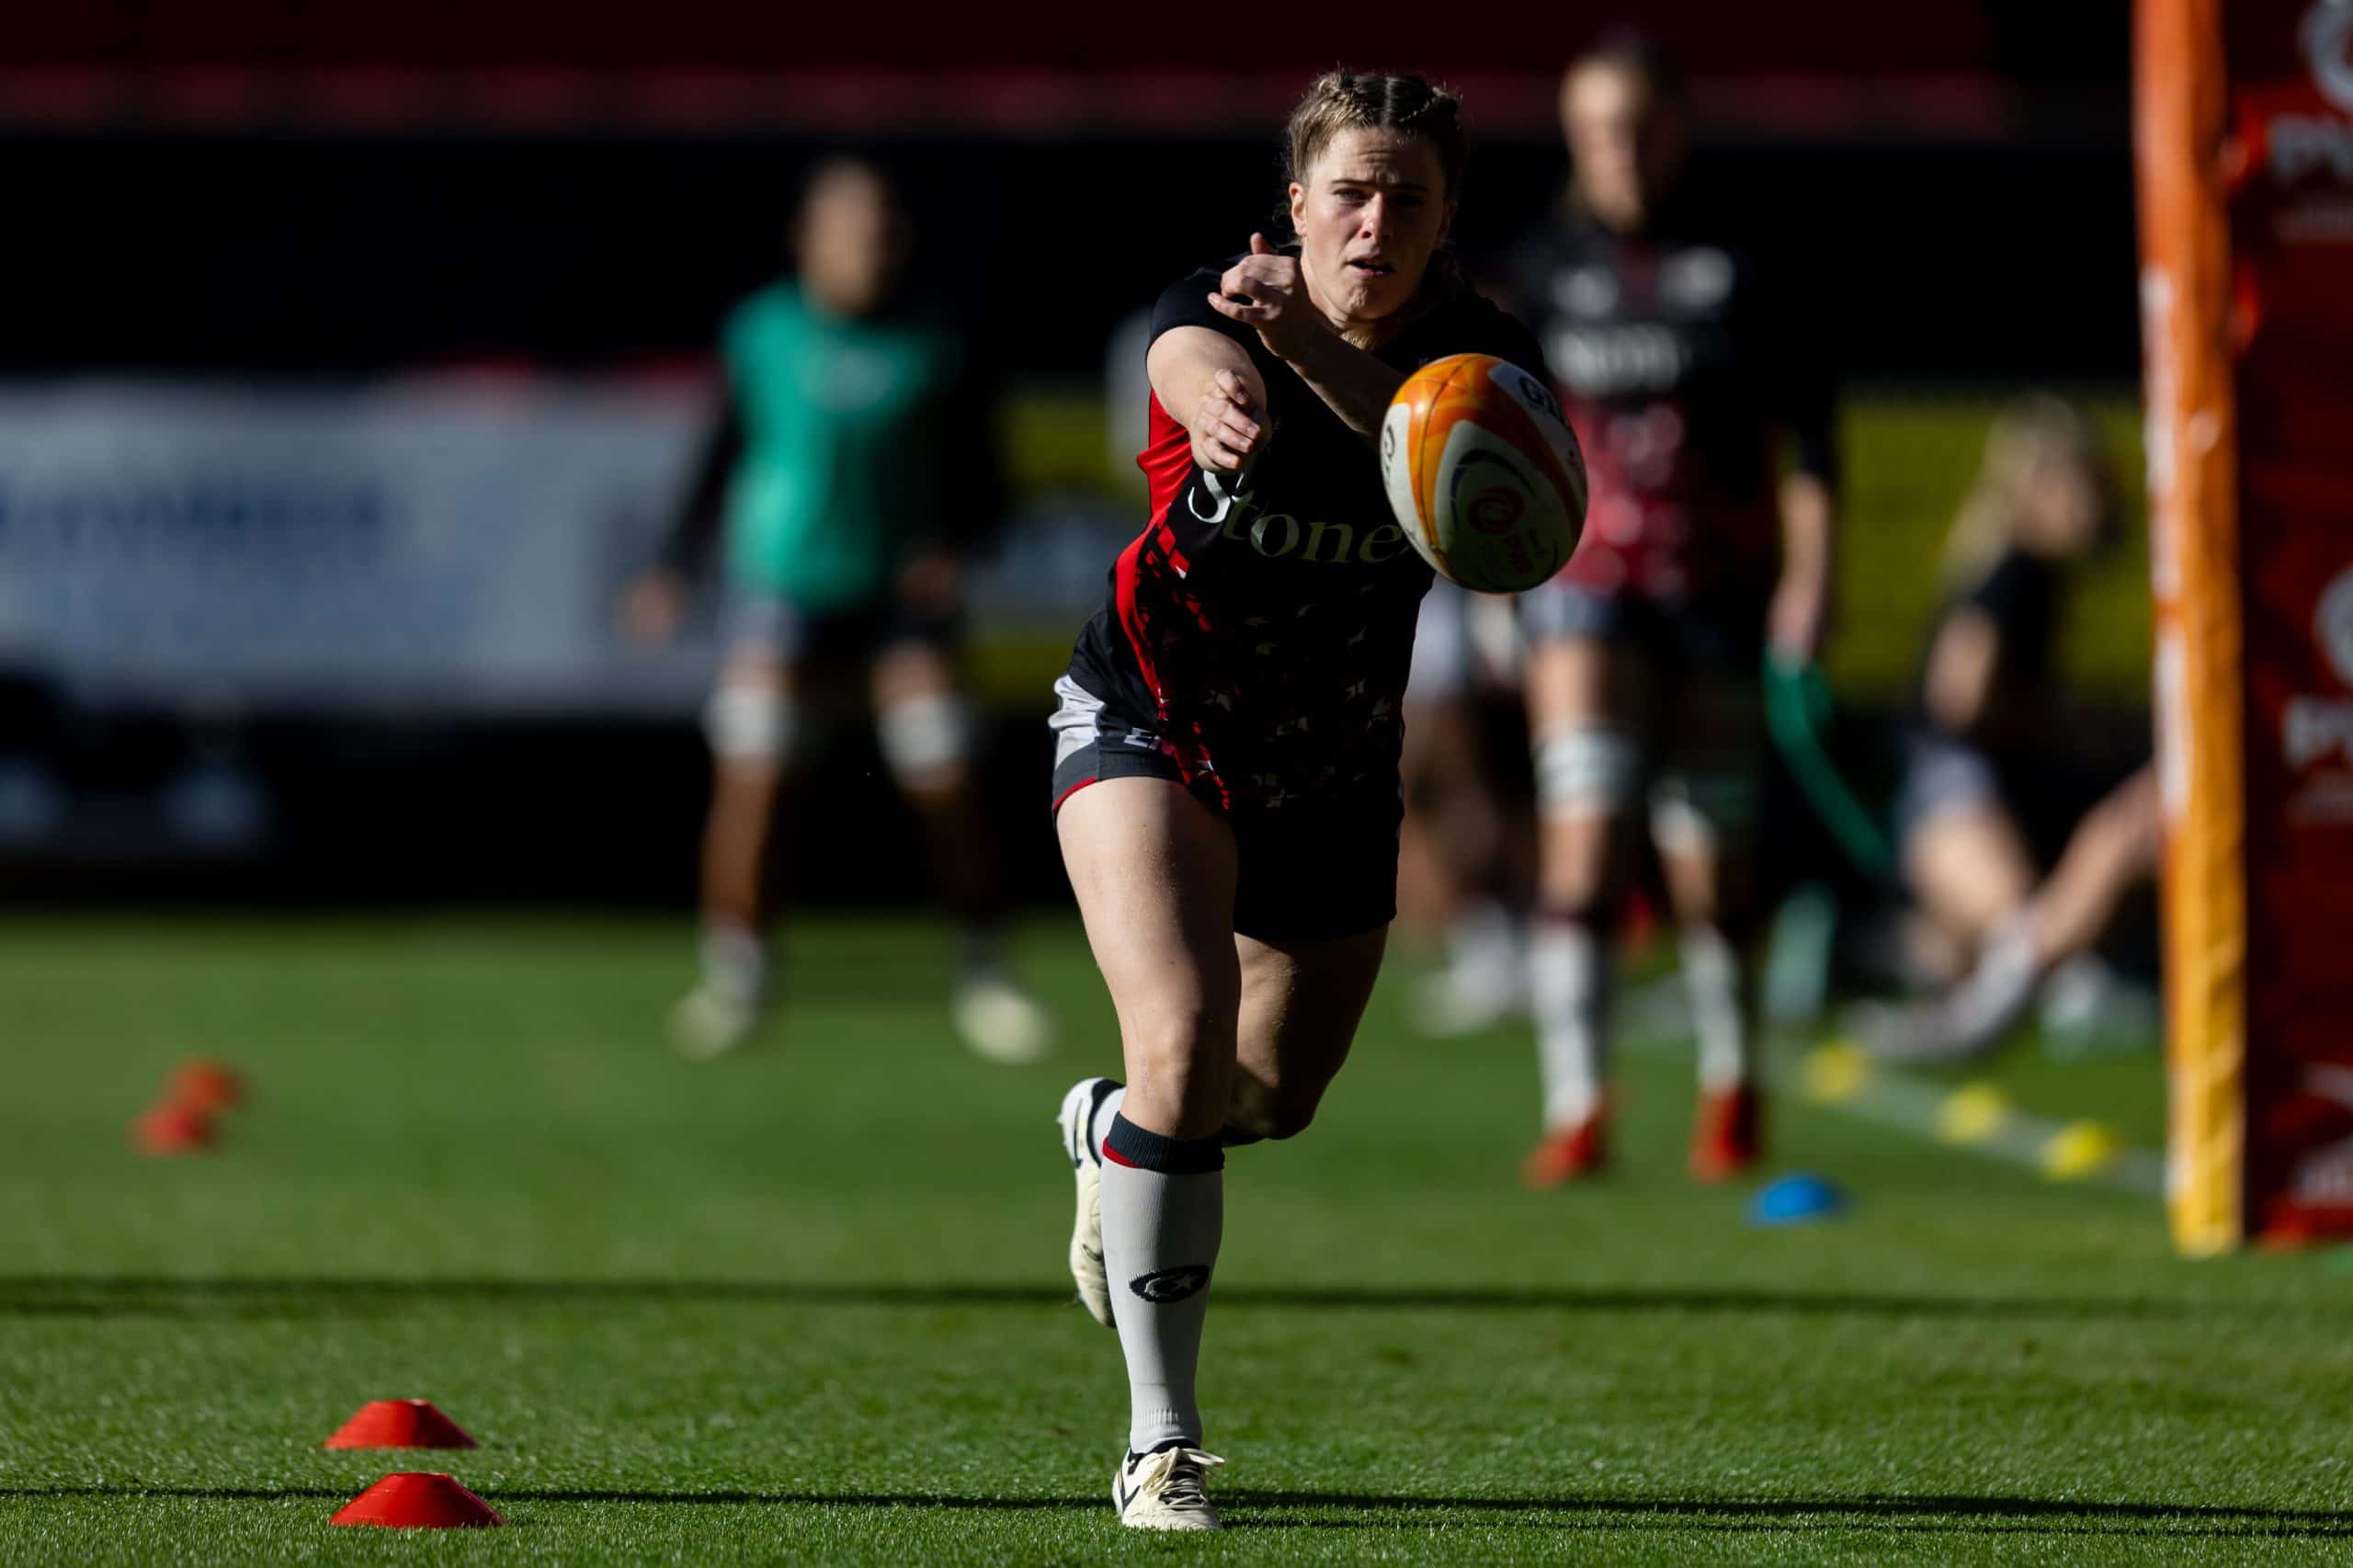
807,1304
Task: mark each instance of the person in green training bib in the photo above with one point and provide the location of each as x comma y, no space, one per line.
850,470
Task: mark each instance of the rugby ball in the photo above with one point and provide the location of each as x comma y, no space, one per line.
1484,472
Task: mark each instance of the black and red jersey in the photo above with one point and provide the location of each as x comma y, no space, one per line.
1263,631
1683,374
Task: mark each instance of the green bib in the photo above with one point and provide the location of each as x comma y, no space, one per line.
839,472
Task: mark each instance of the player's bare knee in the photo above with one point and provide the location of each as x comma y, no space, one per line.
925,739
1586,770
752,726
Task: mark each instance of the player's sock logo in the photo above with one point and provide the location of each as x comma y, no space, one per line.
1163,1286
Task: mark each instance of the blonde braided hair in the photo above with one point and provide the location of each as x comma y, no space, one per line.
1413,106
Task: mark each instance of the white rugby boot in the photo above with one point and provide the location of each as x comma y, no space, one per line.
725,1007
1485,982
1087,1232
1472,993
999,1021
1165,1490
711,1021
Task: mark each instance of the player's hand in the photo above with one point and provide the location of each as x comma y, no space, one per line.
931,585
652,607
1798,619
1229,428
1266,289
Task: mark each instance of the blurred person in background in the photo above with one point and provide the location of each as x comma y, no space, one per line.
1456,879
1682,371
852,469
1991,768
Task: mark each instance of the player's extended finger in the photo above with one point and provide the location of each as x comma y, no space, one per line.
1240,309
1258,246
1234,389
1254,274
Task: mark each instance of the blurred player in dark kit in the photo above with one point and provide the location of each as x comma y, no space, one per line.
1226,758
1707,548
1993,784
852,469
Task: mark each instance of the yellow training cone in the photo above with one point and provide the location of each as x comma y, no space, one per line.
2080,1149
1973,1113
1835,1070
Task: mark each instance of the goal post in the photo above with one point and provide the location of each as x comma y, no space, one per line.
2242,126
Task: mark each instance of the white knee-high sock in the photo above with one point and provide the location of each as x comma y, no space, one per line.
1717,982
1164,1213
1568,990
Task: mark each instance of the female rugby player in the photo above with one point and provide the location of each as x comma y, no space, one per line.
1700,553
851,474
1225,776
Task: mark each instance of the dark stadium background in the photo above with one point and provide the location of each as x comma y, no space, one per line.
267,191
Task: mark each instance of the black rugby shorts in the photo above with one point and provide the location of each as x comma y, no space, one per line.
771,626
1706,639
1321,867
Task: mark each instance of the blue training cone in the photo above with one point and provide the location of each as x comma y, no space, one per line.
1797,1199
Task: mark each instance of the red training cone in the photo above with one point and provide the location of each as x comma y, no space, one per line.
417,1500
400,1424
172,1128
206,1085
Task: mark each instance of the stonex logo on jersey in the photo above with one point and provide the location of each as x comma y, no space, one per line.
1279,536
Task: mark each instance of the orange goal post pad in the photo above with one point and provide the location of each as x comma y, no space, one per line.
2243,139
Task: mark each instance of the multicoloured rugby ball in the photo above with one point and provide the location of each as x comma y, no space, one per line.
1484,472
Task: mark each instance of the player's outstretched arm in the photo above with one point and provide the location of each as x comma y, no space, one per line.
1267,290
1206,382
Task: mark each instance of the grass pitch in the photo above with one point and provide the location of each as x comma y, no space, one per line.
808,1304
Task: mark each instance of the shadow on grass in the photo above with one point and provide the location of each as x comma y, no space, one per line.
165,1295
1247,1509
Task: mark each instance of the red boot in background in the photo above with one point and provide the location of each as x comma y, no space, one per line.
1726,1142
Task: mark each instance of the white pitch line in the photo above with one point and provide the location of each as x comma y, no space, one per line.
1657,1019
1889,1098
